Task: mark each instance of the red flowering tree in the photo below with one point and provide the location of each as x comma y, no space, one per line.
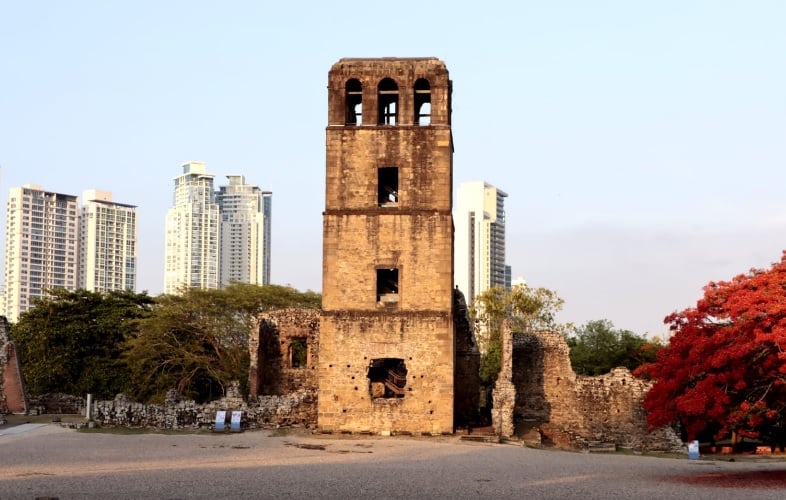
724,369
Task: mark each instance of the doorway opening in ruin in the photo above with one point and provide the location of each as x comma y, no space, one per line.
387,186
387,378
422,102
387,286
298,353
388,102
354,100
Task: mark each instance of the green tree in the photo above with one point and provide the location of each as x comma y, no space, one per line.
71,341
197,342
528,309
596,347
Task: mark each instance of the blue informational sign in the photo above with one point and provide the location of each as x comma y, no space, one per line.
221,420
693,450
235,421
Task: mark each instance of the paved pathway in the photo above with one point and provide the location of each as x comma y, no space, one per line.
56,462
16,429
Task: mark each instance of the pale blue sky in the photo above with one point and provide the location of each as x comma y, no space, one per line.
643,144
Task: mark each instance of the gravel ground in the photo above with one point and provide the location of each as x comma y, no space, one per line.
50,461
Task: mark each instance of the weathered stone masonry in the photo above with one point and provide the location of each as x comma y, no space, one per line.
272,345
387,349
12,389
538,388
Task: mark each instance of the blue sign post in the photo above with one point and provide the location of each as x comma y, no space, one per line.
693,450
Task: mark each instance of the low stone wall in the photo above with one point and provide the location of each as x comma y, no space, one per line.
294,409
56,404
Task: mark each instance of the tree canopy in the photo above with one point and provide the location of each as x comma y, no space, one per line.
724,368
105,343
197,342
528,309
71,342
596,347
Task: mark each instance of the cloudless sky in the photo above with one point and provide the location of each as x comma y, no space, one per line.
642,144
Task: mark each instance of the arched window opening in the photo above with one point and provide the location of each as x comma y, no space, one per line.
388,102
422,102
354,99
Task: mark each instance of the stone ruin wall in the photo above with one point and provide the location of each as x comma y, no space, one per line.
12,387
263,412
270,344
279,394
540,389
4,341
348,405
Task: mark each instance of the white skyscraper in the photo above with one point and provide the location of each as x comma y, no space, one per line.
479,238
192,232
107,243
245,232
41,243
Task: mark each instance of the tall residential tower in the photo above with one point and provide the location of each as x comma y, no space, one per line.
192,232
107,243
41,246
479,247
245,232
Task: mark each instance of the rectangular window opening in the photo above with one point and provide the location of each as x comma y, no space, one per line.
387,286
298,353
387,378
387,183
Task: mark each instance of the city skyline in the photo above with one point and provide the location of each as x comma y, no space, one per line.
216,236
642,145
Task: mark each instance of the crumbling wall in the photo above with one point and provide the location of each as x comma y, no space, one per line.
504,394
295,409
271,343
4,340
570,410
12,389
56,404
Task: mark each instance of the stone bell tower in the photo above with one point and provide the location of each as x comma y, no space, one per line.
387,348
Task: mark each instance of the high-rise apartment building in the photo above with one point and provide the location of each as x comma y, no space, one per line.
479,246
107,243
41,246
192,232
245,232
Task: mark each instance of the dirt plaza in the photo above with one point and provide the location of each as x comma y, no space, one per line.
48,460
